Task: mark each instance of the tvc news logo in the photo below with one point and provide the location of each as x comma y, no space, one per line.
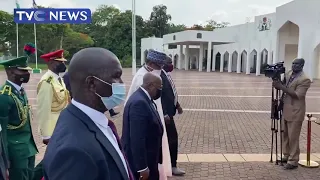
52,16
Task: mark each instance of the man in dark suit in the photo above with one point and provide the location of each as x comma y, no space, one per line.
85,144
170,105
67,83
142,129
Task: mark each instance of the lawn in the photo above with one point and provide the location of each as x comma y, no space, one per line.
32,65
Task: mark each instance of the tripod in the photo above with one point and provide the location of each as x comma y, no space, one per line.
276,119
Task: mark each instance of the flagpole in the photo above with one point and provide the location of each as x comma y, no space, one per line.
134,48
17,34
35,43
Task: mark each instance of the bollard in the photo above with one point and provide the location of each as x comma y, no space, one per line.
308,163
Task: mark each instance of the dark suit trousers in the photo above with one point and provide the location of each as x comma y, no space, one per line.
38,172
173,141
16,173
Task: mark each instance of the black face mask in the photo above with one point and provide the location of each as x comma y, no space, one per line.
61,68
23,78
158,95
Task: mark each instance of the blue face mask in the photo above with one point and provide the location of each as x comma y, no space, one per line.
117,97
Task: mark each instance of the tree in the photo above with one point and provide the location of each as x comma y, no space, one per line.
7,30
176,28
158,21
211,25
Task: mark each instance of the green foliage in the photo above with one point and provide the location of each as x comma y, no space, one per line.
110,29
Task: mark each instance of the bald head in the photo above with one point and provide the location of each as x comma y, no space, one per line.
152,83
92,71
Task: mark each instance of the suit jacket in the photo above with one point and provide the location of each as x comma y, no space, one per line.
16,127
66,81
167,97
142,132
52,98
79,150
294,109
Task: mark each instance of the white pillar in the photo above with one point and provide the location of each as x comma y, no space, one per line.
180,56
221,62
258,63
248,63
209,56
200,57
270,57
230,63
239,63
186,59
142,57
214,62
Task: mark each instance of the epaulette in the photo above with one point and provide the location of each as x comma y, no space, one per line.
6,90
49,80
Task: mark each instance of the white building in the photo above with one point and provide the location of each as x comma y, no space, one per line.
292,31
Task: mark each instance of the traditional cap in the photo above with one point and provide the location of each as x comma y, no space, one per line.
56,55
157,57
19,63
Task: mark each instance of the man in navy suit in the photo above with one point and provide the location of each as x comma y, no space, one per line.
66,81
170,105
142,129
85,144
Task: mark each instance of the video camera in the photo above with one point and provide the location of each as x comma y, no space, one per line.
274,71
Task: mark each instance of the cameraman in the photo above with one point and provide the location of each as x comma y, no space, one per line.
294,109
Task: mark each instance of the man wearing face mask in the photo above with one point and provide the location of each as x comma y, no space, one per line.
154,63
85,144
15,117
52,95
170,105
142,129
294,108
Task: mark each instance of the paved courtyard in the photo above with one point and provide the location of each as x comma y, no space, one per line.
224,132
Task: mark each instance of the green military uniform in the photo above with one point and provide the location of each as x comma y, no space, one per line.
15,116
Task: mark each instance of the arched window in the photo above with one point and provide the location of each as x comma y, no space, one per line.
199,35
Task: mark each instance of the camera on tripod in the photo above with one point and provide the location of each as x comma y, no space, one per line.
274,71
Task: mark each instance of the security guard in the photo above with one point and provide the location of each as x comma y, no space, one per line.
15,116
52,98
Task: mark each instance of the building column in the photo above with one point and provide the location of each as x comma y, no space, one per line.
239,63
270,57
248,63
180,56
258,64
201,57
209,56
221,62
186,59
230,63
142,58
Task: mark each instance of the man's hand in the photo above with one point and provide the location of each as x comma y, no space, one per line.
180,111
277,85
144,175
45,141
167,119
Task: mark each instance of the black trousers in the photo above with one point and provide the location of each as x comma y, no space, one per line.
173,141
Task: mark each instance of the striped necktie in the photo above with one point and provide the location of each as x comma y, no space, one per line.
173,89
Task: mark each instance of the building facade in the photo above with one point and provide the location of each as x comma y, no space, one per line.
291,32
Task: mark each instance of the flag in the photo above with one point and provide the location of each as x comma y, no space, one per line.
34,4
17,4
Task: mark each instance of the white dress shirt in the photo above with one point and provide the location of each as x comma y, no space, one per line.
101,121
18,88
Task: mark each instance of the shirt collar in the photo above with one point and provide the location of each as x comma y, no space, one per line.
54,74
145,91
15,85
96,116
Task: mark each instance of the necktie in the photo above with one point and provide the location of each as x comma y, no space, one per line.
22,91
60,80
114,130
173,89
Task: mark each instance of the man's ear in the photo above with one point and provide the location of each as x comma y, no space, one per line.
90,82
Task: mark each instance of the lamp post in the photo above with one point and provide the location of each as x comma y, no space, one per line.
134,48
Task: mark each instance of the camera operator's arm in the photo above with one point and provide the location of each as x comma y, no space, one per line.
300,91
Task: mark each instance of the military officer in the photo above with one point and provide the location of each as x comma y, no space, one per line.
52,98
15,116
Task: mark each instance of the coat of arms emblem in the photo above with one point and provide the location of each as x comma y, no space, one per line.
265,24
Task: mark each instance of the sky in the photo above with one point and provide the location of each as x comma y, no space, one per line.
188,12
